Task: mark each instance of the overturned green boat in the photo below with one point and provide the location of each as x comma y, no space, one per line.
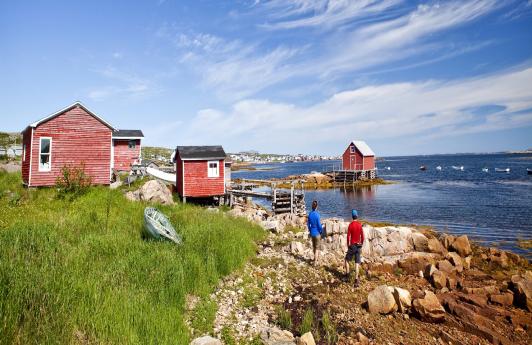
158,227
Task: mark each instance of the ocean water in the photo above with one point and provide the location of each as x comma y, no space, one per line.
492,208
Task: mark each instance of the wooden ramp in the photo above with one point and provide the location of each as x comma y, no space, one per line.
282,200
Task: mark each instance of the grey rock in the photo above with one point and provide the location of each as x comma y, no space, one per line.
381,300
275,336
429,308
206,340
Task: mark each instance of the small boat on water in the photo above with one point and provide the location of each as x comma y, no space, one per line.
438,168
157,226
506,170
388,168
485,170
461,167
422,168
529,171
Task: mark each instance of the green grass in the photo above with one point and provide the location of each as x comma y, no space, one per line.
307,324
70,274
284,318
331,335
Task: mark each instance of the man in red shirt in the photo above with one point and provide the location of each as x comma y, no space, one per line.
355,240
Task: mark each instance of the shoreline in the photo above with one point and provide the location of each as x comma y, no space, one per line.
453,290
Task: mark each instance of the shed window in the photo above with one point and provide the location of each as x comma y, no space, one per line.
213,169
24,152
353,149
45,154
132,144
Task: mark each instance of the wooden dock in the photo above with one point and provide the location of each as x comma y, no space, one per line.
347,177
282,200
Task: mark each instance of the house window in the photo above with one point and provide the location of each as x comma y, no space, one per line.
132,144
213,169
24,152
45,154
353,149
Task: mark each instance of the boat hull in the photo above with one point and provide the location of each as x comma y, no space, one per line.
158,227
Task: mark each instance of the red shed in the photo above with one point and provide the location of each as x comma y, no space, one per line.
200,171
69,137
126,149
358,156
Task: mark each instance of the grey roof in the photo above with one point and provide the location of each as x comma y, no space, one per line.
200,152
128,133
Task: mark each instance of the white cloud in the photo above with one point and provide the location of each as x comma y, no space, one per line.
380,112
235,69
324,14
396,39
121,84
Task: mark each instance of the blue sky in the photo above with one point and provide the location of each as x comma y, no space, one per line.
409,77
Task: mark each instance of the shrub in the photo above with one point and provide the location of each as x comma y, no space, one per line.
331,335
308,321
284,318
73,180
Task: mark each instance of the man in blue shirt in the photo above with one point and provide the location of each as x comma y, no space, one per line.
315,229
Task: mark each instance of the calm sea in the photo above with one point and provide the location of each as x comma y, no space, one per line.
493,208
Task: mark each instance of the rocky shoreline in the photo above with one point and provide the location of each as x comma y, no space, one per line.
319,181
418,287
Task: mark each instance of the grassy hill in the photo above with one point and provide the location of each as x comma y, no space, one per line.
78,271
151,152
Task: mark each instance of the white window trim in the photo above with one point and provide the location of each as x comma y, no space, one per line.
49,154
217,169
31,157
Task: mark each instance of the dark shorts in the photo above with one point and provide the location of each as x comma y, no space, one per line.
354,251
315,242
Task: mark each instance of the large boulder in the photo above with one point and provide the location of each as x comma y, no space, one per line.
461,246
446,266
152,191
447,241
439,279
456,260
434,246
505,299
402,299
206,340
381,300
429,308
420,241
523,293
416,262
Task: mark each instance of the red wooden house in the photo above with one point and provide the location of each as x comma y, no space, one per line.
69,137
200,171
358,156
126,149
